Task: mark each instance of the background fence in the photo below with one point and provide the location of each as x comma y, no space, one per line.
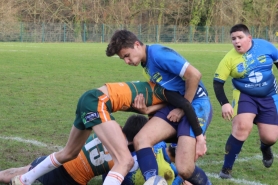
63,32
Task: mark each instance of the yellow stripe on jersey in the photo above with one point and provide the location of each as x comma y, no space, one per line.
236,94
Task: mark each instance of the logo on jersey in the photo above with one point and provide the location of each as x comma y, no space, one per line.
240,68
157,77
255,77
90,116
149,173
262,59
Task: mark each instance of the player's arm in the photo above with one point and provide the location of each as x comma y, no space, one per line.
192,77
227,110
140,105
219,92
177,100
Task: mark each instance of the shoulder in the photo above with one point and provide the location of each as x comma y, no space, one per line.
262,42
231,55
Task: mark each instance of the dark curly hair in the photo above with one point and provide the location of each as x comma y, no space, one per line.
133,125
121,39
240,27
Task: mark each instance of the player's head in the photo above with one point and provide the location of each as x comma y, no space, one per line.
172,150
133,125
241,38
121,39
240,27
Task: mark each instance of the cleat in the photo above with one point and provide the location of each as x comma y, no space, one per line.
16,181
267,157
225,173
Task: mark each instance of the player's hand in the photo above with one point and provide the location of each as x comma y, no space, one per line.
139,104
227,112
201,146
175,115
186,183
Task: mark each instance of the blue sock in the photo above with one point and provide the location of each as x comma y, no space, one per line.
265,146
232,149
199,177
147,162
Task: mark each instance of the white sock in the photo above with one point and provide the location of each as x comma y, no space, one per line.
47,165
113,178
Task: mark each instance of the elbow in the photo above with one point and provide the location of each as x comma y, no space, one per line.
198,75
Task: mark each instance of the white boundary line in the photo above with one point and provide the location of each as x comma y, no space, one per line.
238,181
34,142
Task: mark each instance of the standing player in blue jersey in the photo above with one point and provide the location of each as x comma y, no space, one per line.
255,98
169,69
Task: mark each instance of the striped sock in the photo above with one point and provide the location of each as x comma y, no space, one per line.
47,165
113,178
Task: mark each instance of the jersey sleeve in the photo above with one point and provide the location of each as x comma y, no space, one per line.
223,70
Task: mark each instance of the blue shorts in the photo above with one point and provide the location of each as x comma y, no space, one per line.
203,109
57,176
264,108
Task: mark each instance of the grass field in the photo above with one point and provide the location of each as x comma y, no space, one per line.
41,83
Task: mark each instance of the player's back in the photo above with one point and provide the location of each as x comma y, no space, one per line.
92,161
122,94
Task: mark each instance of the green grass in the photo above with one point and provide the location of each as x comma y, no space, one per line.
41,83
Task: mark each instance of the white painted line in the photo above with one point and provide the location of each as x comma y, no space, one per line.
9,50
244,159
33,142
238,181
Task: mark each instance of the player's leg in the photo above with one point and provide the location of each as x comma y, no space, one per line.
186,148
241,127
185,155
111,136
75,142
267,122
268,136
245,110
154,131
8,174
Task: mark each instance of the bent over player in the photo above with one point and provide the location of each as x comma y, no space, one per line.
93,111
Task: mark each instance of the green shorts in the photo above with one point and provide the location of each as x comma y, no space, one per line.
93,108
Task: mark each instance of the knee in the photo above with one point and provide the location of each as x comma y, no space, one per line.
241,130
127,162
269,140
186,171
130,163
65,155
139,142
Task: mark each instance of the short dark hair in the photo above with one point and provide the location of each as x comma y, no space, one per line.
172,149
240,27
133,125
121,39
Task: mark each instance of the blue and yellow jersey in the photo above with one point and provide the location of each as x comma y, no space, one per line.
166,67
165,168
251,72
